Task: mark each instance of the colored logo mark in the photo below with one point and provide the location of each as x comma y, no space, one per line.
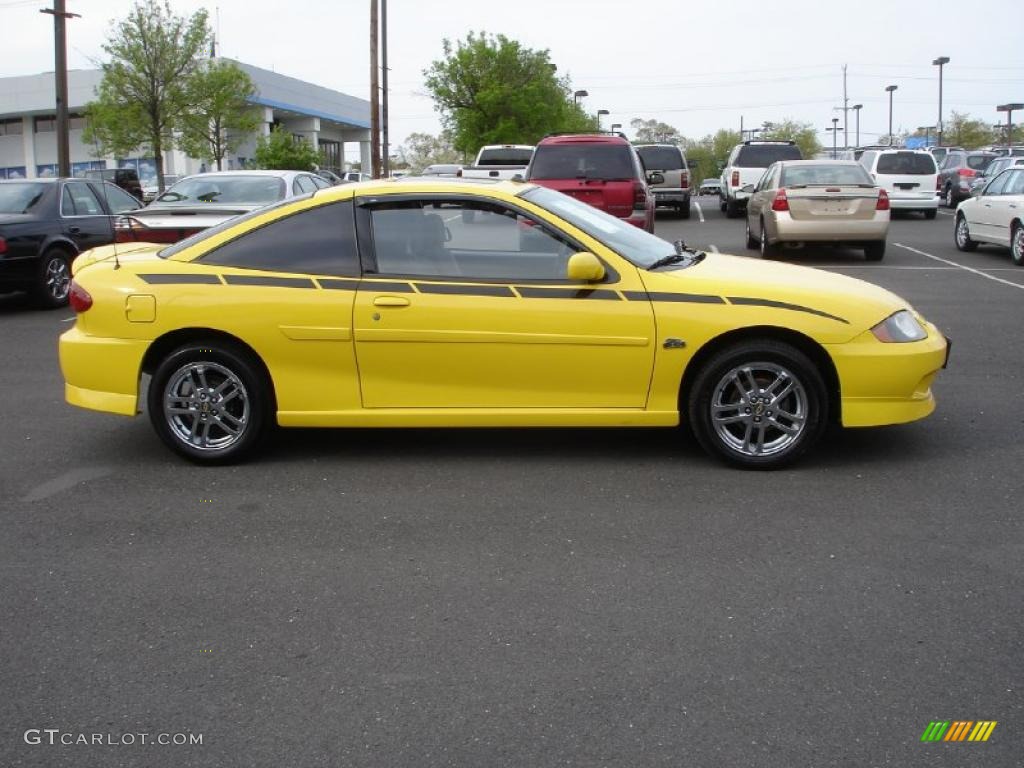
958,730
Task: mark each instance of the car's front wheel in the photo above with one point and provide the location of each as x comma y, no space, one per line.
758,405
210,403
962,235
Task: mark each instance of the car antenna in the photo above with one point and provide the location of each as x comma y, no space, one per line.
110,220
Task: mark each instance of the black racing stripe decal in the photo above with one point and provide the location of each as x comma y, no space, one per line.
269,282
383,285
567,293
466,290
685,298
172,279
747,301
337,284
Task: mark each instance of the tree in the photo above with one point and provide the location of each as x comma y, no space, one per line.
961,131
284,152
654,132
143,96
220,115
491,90
421,149
804,134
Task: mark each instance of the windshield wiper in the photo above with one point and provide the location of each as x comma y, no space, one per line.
683,254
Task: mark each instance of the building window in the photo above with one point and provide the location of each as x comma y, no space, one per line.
76,122
11,127
46,124
17,172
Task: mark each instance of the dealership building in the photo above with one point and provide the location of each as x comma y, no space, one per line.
329,120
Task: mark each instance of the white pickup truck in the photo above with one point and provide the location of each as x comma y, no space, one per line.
499,161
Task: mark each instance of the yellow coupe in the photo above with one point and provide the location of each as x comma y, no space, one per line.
444,303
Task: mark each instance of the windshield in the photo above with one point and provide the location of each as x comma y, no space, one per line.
906,163
505,156
583,161
763,155
238,190
810,175
18,198
632,243
661,158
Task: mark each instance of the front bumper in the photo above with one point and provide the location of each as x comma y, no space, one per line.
101,374
884,384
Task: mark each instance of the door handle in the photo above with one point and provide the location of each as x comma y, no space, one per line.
1012,205
74,230
390,301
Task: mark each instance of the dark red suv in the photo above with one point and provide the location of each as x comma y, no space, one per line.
601,169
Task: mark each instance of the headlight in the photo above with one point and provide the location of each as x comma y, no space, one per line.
900,327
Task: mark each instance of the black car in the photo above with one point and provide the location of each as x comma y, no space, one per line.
45,223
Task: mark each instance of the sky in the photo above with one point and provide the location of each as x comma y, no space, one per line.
696,66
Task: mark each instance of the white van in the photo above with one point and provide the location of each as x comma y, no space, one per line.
910,177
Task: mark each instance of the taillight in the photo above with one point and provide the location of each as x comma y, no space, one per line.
3,245
938,183
128,229
883,201
79,298
684,179
639,196
967,172
735,178
781,202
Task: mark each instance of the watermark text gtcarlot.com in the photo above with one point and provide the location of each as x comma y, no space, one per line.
55,736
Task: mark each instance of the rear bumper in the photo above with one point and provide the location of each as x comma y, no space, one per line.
18,271
101,374
788,229
670,196
919,203
888,383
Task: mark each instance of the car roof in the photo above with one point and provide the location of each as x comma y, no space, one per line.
585,138
821,161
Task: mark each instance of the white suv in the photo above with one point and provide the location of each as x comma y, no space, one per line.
909,176
746,165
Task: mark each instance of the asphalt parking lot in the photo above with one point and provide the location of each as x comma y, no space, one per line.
528,598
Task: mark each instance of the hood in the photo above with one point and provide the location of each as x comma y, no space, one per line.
859,303
127,253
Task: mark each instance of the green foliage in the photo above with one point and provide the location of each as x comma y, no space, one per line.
220,115
961,131
422,149
283,152
144,93
492,90
654,132
804,134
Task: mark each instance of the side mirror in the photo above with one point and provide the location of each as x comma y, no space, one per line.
584,267
655,178
747,188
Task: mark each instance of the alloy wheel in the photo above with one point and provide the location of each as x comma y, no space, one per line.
759,409
206,406
57,278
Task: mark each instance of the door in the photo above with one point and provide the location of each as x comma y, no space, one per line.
1006,205
84,219
465,304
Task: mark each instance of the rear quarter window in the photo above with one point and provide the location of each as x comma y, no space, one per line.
583,161
505,156
763,155
906,164
661,158
978,162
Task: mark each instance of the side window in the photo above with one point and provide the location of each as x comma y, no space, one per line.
67,205
319,182
86,203
316,241
118,200
997,185
466,239
867,159
1014,183
301,185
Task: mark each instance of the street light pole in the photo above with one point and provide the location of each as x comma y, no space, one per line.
940,63
835,130
1009,109
856,108
599,113
890,89
577,95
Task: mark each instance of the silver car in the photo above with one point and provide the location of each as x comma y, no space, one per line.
201,201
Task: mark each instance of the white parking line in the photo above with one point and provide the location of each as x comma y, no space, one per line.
960,266
946,213
68,319
700,213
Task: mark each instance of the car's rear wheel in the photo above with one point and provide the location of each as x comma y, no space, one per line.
950,202
1017,244
684,209
722,204
930,214
874,251
758,405
732,209
962,235
53,281
752,242
210,403
767,249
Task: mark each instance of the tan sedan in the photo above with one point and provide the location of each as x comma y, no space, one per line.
819,201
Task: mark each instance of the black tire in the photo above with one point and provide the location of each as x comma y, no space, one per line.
722,204
732,210
752,242
1017,244
684,209
217,368
767,249
930,214
874,251
745,375
949,199
53,279
962,235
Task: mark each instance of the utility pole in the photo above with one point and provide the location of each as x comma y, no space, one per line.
846,125
374,95
741,128
384,74
60,76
